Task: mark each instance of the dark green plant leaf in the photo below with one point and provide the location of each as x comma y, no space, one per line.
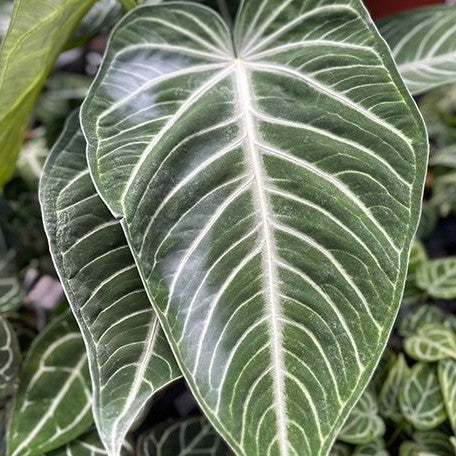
419,317
389,395
444,193
129,357
10,358
438,278
363,425
375,448
423,43
427,444
432,342
11,293
39,31
53,402
447,379
420,400
340,449
418,257
189,437
270,199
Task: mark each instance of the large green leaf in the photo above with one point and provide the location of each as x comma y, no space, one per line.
269,192
129,357
447,379
438,278
38,31
189,437
53,403
433,342
10,356
423,43
421,400
363,424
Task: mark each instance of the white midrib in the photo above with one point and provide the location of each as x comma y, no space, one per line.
269,265
50,412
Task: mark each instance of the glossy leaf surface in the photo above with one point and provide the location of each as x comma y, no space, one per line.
189,437
269,191
423,43
10,358
38,32
129,358
421,400
53,402
447,379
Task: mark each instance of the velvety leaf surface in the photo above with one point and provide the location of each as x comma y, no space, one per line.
432,343
438,278
39,30
10,358
53,402
269,190
129,357
189,437
447,379
363,424
423,43
421,400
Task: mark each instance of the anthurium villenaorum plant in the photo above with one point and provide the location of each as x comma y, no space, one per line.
231,209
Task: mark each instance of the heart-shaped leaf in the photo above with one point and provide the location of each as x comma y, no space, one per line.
10,357
129,357
432,343
427,444
389,395
53,402
375,448
269,181
420,400
189,437
447,378
438,278
423,43
363,425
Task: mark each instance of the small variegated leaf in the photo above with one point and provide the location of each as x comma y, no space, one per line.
423,43
428,443
444,193
432,342
445,157
375,448
88,444
340,449
388,401
419,317
53,403
10,356
189,437
363,424
129,357
438,278
418,257
447,377
421,400
10,288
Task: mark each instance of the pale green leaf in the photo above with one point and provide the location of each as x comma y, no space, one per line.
447,377
32,158
419,317
438,278
39,30
189,437
129,357
375,448
269,190
10,358
420,400
423,43
432,342
6,8
363,425
340,449
427,444
388,401
444,193
11,293
53,402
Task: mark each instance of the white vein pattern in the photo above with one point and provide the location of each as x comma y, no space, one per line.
423,43
10,288
10,358
128,356
188,437
447,380
269,194
55,371
438,278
